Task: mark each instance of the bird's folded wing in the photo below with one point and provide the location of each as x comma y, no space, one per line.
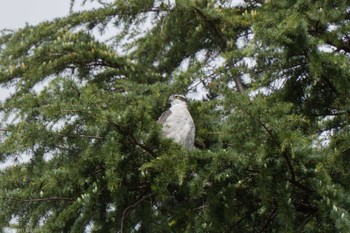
162,119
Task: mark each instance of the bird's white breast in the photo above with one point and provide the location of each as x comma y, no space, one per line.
179,125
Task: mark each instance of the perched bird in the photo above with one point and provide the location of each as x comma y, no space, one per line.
177,122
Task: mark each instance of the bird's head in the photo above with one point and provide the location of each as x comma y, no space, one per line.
177,99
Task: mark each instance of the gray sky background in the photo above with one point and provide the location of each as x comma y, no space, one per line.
16,13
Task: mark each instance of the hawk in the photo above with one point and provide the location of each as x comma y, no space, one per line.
177,122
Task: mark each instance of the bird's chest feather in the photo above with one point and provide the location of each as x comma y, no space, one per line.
179,115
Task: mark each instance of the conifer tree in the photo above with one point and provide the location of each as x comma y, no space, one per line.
272,124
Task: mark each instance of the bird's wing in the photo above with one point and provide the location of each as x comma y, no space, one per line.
162,119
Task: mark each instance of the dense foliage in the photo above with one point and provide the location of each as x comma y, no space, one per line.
272,85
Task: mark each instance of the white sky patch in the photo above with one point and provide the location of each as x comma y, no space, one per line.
16,13
78,6
17,159
326,48
324,138
40,86
233,3
108,32
250,62
274,86
332,27
6,92
243,41
89,227
197,91
8,230
14,222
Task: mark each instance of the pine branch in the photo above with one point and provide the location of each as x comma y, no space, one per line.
246,216
47,199
211,26
269,220
133,139
286,157
306,220
131,207
285,153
